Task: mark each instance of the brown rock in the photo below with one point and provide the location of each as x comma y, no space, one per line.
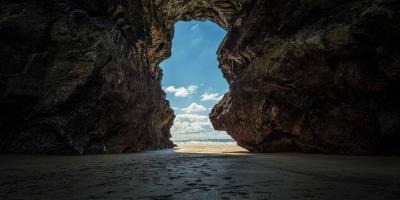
316,83
75,79
80,76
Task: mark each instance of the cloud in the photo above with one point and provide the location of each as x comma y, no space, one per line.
211,97
194,127
195,27
191,123
193,108
181,91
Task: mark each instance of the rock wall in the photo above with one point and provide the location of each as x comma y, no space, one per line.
74,79
82,76
161,16
313,76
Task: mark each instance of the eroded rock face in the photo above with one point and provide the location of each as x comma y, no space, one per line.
313,76
82,76
161,16
75,79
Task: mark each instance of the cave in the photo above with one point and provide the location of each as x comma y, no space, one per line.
83,76
194,83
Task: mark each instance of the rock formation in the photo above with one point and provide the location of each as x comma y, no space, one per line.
75,79
82,76
313,76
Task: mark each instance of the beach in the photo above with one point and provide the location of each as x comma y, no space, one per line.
195,171
207,148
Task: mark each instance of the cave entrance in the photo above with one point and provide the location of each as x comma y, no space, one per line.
194,83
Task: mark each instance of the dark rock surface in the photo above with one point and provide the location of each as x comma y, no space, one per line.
82,76
75,79
313,76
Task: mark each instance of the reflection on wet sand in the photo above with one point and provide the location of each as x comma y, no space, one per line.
184,174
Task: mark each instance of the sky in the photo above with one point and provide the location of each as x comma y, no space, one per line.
192,80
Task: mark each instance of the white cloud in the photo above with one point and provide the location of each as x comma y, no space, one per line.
194,107
191,123
195,27
211,97
181,91
194,126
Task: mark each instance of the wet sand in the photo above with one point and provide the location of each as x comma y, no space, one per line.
182,174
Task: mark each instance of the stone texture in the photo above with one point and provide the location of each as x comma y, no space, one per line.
82,76
313,76
75,79
161,16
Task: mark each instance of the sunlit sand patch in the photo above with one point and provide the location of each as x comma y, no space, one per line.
210,148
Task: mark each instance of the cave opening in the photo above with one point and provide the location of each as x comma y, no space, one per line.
194,83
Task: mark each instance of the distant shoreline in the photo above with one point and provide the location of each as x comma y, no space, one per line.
206,142
209,147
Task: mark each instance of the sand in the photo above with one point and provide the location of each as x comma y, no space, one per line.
217,173
210,149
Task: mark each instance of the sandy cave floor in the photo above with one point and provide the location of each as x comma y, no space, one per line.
226,172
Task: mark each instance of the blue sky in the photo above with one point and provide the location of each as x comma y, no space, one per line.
192,79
